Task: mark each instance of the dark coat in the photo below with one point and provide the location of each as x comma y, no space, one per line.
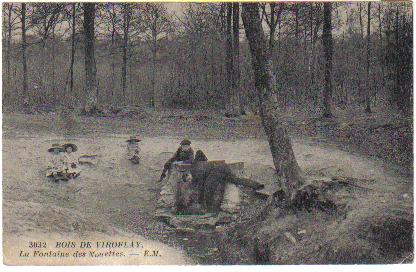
211,178
180,155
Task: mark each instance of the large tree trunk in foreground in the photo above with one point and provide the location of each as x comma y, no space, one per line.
90,68
24,62
328,48
280,145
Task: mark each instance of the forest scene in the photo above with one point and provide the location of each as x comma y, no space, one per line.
301,116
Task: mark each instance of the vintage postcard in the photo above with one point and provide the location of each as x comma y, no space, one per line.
209,133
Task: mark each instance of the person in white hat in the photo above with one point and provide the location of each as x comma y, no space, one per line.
56,166
133,149
71,163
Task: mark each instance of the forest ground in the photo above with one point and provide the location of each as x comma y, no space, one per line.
379,147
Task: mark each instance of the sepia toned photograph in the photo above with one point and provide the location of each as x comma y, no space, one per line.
222,133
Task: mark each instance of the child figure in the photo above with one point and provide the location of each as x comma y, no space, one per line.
133,149
71,163
56,166
184,154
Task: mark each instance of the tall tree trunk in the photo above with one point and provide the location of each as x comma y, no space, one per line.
130,72
279,28
24,62
272,25
236,62
9,39
229,61
284,159
296,22
53,61
72,49
314,62
383,80
361,22
113,65
305,44
312,55
90,67
44,79
368,91
153,76
126,26
213,74
397,82
4,33
328,48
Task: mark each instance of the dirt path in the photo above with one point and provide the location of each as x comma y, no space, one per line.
115,198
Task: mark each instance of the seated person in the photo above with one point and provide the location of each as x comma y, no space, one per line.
71,163
133,149
184,154
56,167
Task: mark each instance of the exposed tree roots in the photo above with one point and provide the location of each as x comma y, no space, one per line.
330,200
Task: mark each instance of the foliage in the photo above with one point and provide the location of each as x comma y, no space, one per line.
179,59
